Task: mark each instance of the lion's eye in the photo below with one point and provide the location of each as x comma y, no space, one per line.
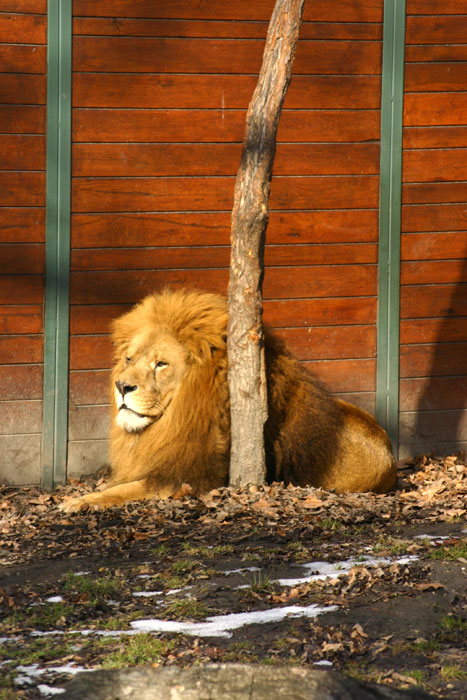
160,364
127,360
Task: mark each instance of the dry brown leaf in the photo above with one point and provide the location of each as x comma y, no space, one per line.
264,507
312,502
428,586
326,646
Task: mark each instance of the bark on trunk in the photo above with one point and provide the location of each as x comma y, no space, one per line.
247,379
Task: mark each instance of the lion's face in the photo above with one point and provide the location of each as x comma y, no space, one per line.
148,375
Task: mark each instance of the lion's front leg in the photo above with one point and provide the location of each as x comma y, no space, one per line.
117,496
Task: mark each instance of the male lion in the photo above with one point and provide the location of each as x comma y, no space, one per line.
171,420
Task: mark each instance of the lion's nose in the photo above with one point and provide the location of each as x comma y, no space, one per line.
124,388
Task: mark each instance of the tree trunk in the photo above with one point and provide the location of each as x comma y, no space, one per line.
250,213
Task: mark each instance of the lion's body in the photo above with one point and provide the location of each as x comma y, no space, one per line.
171,419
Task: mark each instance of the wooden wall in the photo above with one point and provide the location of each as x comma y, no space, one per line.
160,92
434,223
23,26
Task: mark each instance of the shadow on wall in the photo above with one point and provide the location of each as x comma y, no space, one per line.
441,421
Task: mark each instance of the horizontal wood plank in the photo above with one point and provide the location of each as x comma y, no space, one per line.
21,460
227,125
22,189
17,319
433,271
103,26
434,165
443,301
436,7
122,287
86,457
441,192
220,92
449,53
20,382
433,360
23,28
433,427
185,229
434,330
21,289
95,319
141,160
318,11
238,56
432,394
437,448
21,58
433,246
21,349
22,119
349,375
331,342
216,193
20,417
448,76
35,6
88,422
19,225
433,109
22,152
22,259
428,29
435,137
89,387
434,217
90,352
24,89
219,256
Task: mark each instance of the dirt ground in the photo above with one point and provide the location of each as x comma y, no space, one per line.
395,597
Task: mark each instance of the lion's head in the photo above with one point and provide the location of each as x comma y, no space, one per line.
148,376
164,348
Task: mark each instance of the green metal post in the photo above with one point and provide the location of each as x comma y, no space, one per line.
387,387
56,350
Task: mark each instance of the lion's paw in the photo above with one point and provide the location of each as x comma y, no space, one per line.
73,505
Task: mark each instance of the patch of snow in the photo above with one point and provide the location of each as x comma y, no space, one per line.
319,570
29,673
241,571
222,625
54,599
178,590
323,662
47,690
5,640
37,633
146,594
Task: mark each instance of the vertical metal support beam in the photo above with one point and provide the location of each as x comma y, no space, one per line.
56,350
387,386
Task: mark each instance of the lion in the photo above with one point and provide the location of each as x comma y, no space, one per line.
171,418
